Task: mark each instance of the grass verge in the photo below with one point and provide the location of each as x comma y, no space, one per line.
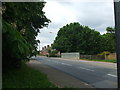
25,77
111,61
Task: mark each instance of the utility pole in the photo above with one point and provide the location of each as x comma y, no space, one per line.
117,32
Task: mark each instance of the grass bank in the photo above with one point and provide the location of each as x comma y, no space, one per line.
25,77
111,61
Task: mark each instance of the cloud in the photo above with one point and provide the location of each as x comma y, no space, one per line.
97,14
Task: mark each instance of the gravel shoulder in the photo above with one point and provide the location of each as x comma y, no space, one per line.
57,77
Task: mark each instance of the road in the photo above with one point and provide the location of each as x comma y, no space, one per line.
97,74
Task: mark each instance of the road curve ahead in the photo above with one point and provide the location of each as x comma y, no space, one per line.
97,74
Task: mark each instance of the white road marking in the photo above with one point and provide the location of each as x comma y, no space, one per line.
86,84
62,63
55,61
112,75
86,69
66,64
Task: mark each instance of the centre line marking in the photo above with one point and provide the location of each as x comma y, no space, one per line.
112,75
86,69
66,64
56,61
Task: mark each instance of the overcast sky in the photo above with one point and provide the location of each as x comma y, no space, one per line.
97,14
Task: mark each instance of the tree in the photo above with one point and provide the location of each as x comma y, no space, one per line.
21,24
77,38
109,40
110,30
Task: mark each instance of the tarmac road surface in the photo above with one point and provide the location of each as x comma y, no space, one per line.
97,74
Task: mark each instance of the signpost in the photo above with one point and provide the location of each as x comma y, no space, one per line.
117,27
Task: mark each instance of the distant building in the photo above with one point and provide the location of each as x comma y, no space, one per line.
47,49
44,51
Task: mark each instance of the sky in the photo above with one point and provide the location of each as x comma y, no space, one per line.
97,14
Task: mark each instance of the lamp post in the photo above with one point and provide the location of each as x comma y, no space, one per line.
39,46
117,32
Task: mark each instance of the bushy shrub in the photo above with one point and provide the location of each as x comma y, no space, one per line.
53,54
14,46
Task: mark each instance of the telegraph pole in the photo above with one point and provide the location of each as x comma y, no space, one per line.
117,32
